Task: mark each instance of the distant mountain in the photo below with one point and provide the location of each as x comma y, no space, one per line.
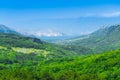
53,39
50,36
104,39
54,36
12,38
4,29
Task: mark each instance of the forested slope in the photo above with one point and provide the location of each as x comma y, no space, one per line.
18,66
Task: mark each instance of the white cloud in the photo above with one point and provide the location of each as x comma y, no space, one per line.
101,14
113,14
47,33
106,14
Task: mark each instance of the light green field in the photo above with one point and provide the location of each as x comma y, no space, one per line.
1,47
31,50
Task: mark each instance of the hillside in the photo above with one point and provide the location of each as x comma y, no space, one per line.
13,40
34,45
104,39
18,66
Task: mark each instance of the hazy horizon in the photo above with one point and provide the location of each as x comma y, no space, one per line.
73,17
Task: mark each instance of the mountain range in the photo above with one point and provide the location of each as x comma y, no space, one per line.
52,37
104,39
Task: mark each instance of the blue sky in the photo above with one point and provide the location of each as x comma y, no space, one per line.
53,16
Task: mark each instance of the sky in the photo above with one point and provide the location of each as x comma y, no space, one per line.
53,17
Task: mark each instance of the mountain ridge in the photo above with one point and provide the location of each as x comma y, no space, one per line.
104,39
5,29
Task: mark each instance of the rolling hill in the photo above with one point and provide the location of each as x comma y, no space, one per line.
33,45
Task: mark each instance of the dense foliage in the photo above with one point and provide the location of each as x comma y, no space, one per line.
19,66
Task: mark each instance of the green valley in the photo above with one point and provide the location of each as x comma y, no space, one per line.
88,58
